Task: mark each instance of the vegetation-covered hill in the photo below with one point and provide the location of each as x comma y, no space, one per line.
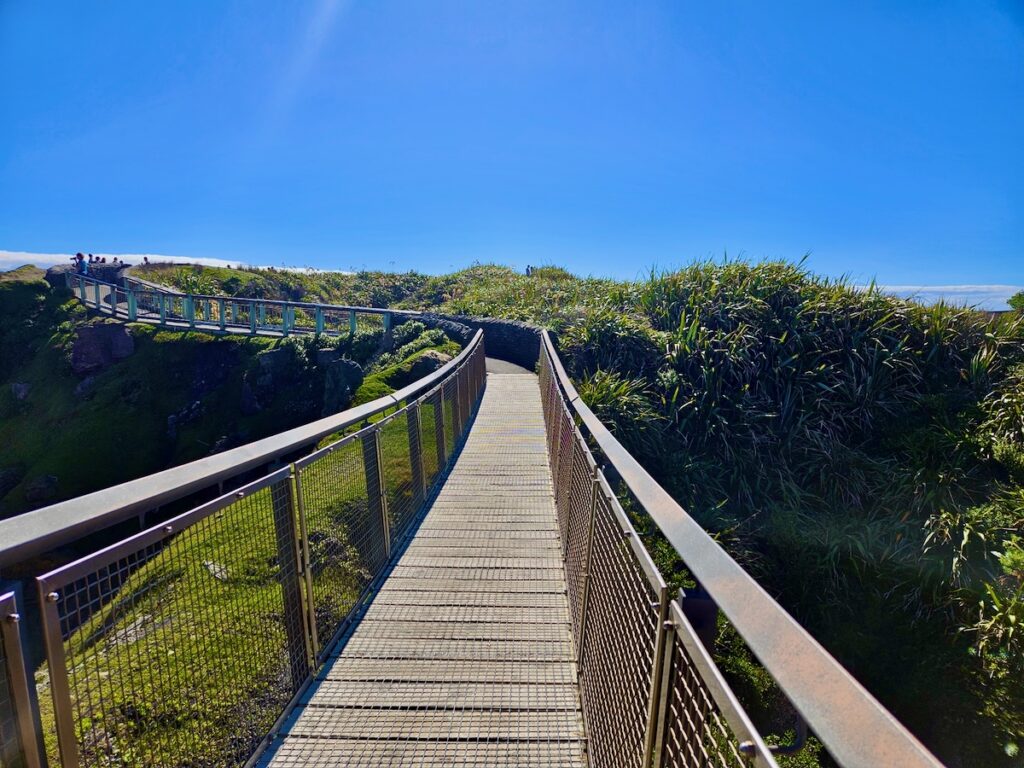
88,403
862,455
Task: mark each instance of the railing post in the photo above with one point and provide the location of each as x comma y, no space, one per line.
290,573
558,418
60,688
456,412
17,688
307,570
133,306
663,666
595,487
352,322
419,476
285,311
319,321
442,450
252,318
376,497
190,311
467,406
220,314
96,295
657,705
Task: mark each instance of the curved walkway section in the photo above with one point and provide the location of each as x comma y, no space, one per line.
465,656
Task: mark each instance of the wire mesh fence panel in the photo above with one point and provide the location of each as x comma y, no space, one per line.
448,394
564,473
396,466
432,462
580,497
177,646
345,542
696,732
619,643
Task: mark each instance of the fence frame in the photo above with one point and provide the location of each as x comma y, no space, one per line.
17,680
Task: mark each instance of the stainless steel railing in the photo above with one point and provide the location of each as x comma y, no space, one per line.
139,301
652,694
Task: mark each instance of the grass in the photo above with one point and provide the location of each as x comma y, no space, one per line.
190,658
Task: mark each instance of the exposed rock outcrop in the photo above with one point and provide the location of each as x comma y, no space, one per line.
97,346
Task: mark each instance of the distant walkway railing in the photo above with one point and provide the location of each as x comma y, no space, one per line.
140,301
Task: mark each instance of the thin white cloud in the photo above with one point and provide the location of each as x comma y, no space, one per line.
991,297
14,259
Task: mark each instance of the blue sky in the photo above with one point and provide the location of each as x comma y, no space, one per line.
884,138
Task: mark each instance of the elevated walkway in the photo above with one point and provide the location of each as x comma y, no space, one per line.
465,656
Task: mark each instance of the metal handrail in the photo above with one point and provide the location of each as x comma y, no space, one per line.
44,529
854,727
146,285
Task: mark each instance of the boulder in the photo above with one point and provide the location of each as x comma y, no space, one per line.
427,363
325,357
56,275
274,361
352,371
342,378
97,346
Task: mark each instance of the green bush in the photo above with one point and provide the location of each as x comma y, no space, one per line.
406,332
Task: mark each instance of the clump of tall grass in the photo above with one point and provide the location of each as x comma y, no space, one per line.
850,444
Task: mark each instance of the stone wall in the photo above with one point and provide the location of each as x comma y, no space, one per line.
509,340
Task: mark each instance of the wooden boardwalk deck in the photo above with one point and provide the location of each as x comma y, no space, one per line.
465,657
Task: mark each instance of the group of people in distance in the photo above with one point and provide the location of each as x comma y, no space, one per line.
82,264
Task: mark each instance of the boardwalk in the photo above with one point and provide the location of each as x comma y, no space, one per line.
465,657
